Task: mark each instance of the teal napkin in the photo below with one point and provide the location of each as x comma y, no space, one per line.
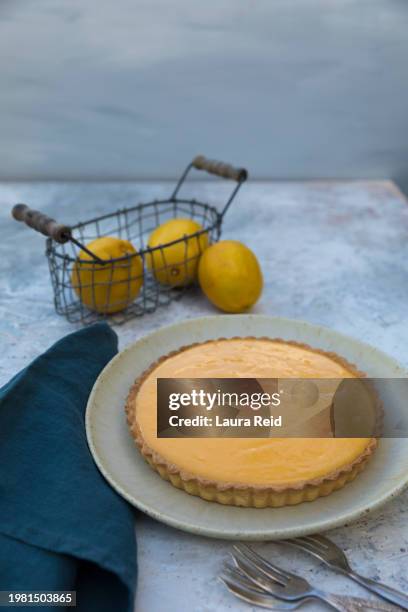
61,526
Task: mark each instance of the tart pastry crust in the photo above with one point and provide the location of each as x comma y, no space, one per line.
244,494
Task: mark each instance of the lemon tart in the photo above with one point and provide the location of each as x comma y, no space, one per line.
251,472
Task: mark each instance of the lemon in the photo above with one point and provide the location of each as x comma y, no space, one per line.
176,264
110,287
230,276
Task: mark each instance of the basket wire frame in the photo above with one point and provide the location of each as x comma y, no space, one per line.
135,225
81,296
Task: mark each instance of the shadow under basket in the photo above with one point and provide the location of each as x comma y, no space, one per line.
87,288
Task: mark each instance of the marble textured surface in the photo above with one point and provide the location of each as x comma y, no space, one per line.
333,253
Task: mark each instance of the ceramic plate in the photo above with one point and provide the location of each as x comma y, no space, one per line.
120,462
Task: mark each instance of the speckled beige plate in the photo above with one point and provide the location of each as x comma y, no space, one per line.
120,462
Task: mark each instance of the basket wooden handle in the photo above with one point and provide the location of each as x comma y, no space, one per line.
219,168
41,223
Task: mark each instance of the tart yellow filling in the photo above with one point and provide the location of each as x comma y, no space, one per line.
207,466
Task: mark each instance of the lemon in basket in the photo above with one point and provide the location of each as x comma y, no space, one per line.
230,276
176,264
109,287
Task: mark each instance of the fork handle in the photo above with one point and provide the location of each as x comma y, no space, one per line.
343,603
338,602
382,590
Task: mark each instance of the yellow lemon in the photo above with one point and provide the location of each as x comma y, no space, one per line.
109,287
230,276
176,264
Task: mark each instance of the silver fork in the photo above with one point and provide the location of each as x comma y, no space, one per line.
291,587
238,584
328,552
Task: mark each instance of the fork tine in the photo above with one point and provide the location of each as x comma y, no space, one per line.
254,597
264,563
254,567
307,541
319,541
236,576
307,546
258,577
323,540
311,544
234,586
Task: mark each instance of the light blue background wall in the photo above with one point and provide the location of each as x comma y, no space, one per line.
134,88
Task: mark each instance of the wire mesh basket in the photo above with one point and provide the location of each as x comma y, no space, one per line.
90,283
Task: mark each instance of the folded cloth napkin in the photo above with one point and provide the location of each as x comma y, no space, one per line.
61,526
